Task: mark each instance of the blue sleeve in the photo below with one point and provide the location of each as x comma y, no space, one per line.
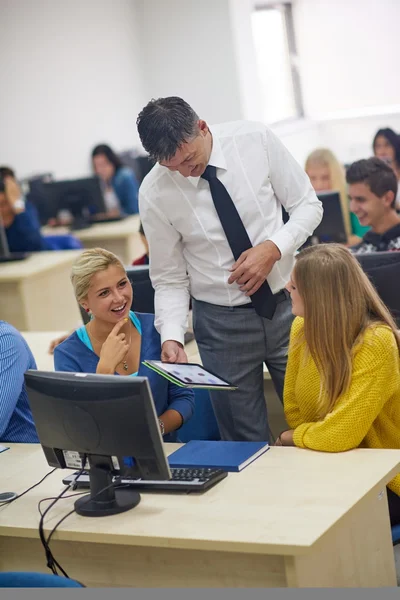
27,227
127,189
12,369
182,400
64,361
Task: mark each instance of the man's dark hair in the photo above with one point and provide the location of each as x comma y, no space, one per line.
164,125
109,154
6,172
379,176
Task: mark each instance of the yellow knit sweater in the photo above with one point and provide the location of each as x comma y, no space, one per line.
367,415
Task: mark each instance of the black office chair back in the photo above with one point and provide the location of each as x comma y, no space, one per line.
383,269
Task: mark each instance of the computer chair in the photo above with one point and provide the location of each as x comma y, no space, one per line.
383,269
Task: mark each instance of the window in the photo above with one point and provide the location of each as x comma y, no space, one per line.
275,48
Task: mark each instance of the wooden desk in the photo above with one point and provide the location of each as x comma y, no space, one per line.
36,293
293,518
120,237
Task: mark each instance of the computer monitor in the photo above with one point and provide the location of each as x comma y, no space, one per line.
81,197
331,228
383,269
32,188
111,420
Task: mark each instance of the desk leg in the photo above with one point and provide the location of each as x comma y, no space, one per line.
356,552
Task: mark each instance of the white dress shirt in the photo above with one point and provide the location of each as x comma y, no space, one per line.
189,253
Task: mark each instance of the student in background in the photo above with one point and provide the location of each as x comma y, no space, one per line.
120,184
16,421
386,146
19,218
372,190
327,174
342,386
116,340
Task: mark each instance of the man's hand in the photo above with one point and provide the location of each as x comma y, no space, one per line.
13,193
57,341
253,266
173,352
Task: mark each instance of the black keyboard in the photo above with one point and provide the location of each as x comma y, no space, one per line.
183,480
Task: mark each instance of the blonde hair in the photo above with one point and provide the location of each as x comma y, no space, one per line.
340,303
88,264
322,157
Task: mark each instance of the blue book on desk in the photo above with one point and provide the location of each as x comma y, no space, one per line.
228,456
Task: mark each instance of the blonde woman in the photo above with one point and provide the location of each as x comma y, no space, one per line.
327,174
117,340
342,386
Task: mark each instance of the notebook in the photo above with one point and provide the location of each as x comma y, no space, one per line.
189,375
228,456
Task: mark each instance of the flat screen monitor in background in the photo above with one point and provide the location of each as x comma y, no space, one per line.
81,197
110,420
32,188
331,228
383,269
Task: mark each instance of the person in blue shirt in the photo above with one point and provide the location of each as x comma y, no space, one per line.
19,218
120,186
117,340
16,421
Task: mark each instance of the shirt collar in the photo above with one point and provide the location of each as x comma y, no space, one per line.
217,159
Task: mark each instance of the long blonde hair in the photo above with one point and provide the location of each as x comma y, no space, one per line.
323,157
87,264
340,303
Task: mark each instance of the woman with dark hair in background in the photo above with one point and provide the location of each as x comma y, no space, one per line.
386,146
120,184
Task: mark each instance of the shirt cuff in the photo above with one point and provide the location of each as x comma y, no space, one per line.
173,332
284,241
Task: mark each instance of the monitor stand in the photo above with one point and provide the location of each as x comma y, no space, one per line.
104,498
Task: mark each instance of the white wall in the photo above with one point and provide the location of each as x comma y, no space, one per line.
188,51
348,52
71,78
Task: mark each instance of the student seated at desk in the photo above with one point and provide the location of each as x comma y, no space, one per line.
326,175
342,385
386,146
16,421
120,187
372,191
19,218
116,340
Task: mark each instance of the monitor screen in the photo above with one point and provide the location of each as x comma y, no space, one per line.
331,228
110,421
81,197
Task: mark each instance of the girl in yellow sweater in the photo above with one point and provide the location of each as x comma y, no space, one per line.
342,385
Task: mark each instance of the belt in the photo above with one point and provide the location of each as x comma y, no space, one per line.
279,297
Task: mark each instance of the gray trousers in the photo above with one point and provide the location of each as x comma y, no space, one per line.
234,343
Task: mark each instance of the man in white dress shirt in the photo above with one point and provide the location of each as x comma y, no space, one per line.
241,313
